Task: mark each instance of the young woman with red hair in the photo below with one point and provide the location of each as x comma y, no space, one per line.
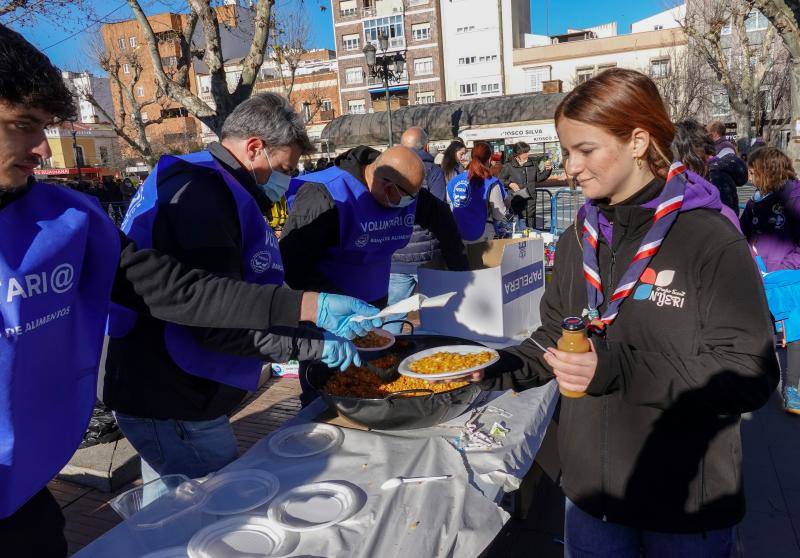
650,450
478,199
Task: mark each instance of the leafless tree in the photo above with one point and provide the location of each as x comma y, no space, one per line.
200,39
743,62
784,15
290,39
129,121
686,86
27,12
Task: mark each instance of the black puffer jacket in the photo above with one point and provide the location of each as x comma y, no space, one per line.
727,173
656,444
527,177
423,246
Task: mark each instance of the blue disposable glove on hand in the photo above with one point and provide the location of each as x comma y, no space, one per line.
335,313
339,353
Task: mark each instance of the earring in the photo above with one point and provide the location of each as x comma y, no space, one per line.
638,162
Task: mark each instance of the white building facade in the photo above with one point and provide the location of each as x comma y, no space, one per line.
479,39
82,84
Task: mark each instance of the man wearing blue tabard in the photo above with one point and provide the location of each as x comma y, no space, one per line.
61,261
347,221
172,388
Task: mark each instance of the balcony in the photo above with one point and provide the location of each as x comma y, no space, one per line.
325,115
369,11
374,82
344,14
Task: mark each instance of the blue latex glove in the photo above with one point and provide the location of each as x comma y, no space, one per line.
339,353
334,313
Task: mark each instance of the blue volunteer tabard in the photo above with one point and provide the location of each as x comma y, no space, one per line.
369,234
58,256
470,203
261,264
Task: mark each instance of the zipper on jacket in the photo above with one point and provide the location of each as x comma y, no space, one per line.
604,442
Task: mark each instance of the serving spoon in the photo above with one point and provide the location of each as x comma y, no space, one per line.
397,481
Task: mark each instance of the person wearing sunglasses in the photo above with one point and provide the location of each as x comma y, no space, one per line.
347,221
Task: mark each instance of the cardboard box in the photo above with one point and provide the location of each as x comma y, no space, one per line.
498,300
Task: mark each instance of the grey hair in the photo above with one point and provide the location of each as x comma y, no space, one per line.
268,116
419,142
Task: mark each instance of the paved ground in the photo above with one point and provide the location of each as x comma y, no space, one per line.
772,475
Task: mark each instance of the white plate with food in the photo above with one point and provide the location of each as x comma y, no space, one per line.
448,362
304,440
242,536
314,506
375,340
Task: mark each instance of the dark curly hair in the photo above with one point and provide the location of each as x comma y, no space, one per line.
692,146
28,78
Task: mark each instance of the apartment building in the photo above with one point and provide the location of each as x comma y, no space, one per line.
413,30
479,40
564,61
125,42
313,90
83,84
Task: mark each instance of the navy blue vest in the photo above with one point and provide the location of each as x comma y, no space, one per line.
58,257
261,264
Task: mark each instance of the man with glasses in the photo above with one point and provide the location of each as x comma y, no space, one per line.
347,221
171,387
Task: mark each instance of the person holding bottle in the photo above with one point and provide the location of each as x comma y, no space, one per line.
680,346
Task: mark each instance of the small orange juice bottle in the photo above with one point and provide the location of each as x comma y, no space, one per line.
573,340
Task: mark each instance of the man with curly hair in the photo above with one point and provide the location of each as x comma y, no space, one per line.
61,263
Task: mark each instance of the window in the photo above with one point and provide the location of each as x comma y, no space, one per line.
423,66
487,58
121,44
466,60
347,8
466,29
103,152
132,41
126,69
426,97
535,78
756,21
140,91
765,102
726,29
392,26
178,112
421,31
583,74
604,67
466,89
488,88
358,106
658,27
659,68
720,104
350,42
326,105
354,75
169,61
145,116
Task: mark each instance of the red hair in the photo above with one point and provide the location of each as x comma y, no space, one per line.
619,101
481,153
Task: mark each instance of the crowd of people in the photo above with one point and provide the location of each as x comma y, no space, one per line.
198,292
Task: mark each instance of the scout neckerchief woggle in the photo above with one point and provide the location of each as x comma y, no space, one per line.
669,204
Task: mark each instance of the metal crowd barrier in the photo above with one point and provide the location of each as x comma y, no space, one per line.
564,206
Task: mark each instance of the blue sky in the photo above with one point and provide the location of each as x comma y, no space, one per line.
66,40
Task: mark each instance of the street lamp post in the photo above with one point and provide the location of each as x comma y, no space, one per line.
75,150
388,68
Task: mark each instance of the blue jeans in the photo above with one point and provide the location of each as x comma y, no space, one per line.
401,286
191,448
586,536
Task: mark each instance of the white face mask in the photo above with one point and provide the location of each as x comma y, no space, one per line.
276,185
